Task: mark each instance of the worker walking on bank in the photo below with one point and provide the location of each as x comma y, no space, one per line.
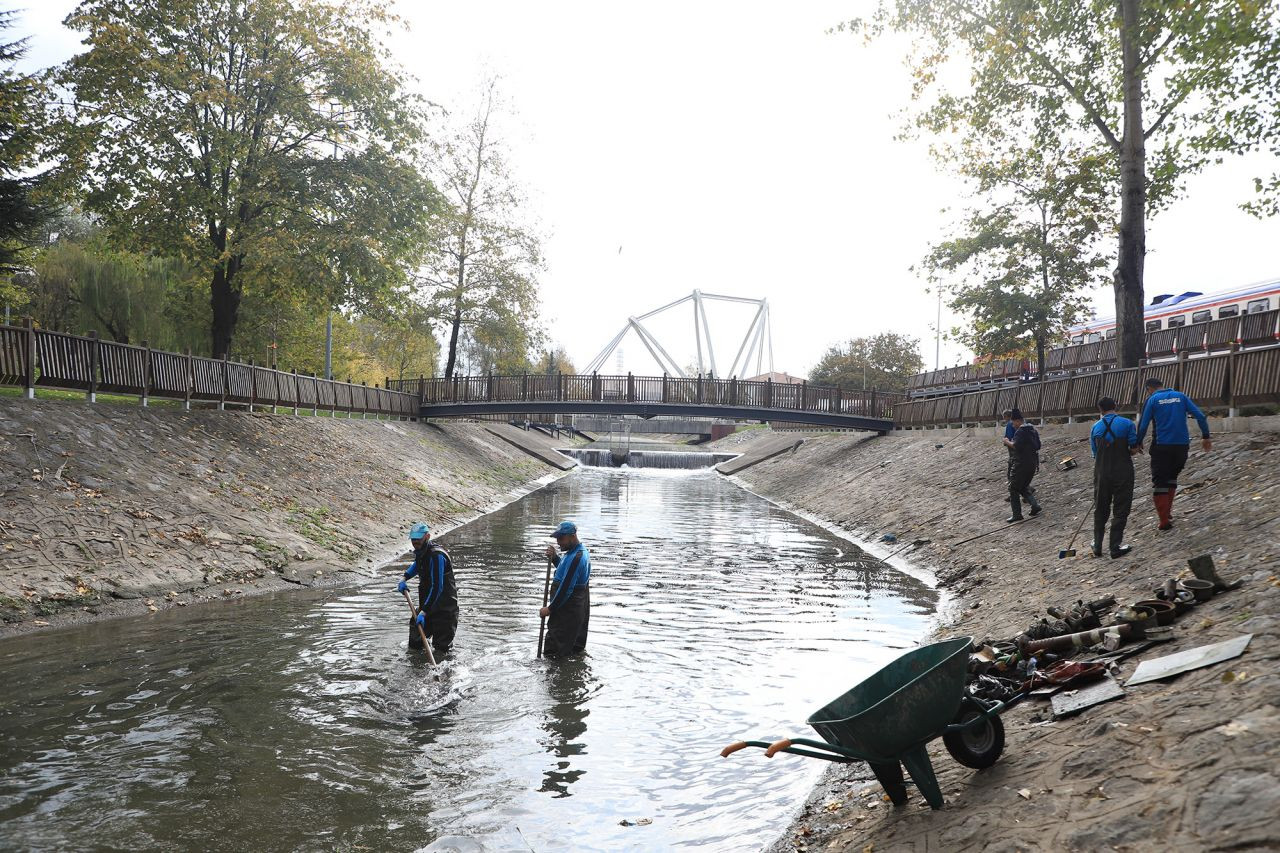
1024,449
1166,412
437,591
1113,441
569,609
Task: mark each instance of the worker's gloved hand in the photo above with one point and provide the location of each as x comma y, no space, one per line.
402,587
422,619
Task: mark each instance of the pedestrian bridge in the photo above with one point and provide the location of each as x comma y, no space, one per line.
651,396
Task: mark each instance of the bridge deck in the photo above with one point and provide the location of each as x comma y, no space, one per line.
649,410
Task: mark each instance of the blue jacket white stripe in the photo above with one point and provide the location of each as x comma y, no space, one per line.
434,577
573,571
1166,410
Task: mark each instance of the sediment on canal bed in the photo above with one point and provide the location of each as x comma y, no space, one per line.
1186,763
111,510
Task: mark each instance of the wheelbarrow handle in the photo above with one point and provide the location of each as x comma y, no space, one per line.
777,746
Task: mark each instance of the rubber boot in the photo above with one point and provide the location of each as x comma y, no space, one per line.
1099,530
1035,504
1016,503
1162,502
1118,548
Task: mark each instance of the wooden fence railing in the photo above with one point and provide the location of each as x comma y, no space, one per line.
1226,381
1261,329
533,388
34,358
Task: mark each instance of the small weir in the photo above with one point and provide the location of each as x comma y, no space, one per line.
615,457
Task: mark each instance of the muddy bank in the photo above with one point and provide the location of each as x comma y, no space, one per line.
1187,763
110,510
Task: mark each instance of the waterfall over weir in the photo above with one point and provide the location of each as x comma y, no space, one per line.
605,457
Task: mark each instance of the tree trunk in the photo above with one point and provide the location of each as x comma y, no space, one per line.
1130,328
224,299
453,337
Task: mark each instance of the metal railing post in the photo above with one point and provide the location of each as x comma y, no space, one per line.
560,387
146,372
253,381
631,388
222,401
699,388
29,368
95,346
664,386
186,398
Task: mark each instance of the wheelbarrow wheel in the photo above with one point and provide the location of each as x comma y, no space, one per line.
979,745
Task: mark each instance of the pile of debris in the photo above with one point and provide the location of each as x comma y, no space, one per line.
1071,657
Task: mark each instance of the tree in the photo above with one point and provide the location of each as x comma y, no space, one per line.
557,361
264,141
399,344
482,273
500,342
1153,83
1021,269
883,362
22,212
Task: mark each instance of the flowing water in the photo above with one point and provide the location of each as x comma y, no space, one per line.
301,721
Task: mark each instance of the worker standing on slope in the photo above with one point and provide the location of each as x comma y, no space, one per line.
1112,441
1166,413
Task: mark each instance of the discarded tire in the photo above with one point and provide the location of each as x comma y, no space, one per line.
979,745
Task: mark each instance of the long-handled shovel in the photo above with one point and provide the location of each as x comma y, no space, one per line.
546,595
1070,550
413,614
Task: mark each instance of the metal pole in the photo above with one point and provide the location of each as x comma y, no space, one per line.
328,346
937,344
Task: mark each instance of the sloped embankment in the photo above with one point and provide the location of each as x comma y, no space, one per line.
110,510
1187,763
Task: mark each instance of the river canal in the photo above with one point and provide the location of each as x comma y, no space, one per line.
301,722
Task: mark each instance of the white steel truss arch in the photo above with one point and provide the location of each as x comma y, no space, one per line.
757,343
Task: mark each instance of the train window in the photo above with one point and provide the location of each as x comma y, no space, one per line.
1153,325
1111,333
1228,311
1175,322
1202,316
1258,305
1078,339
1092,337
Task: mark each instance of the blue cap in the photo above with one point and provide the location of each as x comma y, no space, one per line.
418,531
566,528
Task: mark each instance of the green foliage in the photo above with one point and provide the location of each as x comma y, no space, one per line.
1026,257
22,212
481,275
264,142
1156,89
556,360
883,362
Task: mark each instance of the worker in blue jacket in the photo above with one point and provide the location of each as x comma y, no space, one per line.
1166,413
437,591
568,610
1113,441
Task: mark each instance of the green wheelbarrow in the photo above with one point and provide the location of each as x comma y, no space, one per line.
889,718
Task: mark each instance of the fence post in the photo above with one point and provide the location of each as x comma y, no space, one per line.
524,386
597,388
560,386
95,347
768,393
455,387
1232,412
422,390
489,388
872,411
222,400
664,386
364,400
29,369
836,400
186,394
315,393
253,381
631,388
1182,361
146,372
699,388
804,395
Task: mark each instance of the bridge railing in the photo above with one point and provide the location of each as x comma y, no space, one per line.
559,387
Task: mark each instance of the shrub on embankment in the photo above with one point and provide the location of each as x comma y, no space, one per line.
113,509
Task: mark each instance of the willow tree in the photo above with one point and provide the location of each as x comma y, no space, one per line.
481,275
268,142
1160,87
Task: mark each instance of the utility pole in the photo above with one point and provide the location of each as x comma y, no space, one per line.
937,340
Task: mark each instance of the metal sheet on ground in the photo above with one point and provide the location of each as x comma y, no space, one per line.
1075,701
1157,668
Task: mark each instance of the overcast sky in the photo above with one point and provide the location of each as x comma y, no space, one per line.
737,148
